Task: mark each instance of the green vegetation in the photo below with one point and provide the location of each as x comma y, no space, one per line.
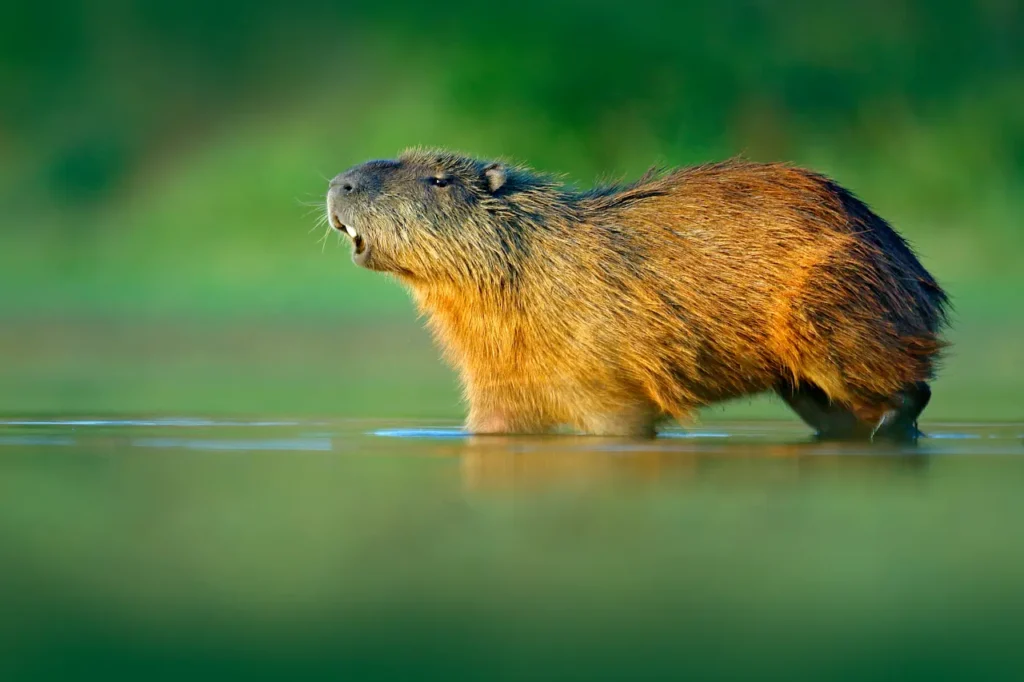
162,163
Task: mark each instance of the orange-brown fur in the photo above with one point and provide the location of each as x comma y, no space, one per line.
610,310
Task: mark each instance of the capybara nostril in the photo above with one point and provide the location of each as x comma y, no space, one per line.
346,182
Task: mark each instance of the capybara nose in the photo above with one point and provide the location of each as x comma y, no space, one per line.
364,181
346,182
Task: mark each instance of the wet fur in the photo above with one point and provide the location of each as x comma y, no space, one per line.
613,309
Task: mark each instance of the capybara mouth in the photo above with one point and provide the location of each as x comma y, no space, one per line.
357,239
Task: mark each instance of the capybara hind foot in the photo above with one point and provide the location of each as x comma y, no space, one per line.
891,428
899,423
836,421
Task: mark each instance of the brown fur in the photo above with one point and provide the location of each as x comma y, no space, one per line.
612,309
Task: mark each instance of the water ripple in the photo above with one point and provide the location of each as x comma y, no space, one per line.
430,434
176,421
306,444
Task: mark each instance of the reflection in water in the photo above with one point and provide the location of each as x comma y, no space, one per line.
497,462
36,440
431,433
169,540
491,465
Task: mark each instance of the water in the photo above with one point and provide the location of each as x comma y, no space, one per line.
179,548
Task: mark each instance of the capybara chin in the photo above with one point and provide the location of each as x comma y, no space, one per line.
614,309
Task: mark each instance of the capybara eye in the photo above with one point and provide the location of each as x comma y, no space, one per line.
439,182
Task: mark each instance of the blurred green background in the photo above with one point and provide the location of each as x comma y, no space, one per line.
162,164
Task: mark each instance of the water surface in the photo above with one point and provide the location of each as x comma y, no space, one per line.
380,549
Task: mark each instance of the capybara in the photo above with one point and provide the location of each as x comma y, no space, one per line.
611,310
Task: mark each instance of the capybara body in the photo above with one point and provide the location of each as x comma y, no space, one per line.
614,309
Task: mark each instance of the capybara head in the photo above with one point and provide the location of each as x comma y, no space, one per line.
429,215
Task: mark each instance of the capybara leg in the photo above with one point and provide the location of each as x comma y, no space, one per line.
831,420
482,421
895,420
638,422
899,422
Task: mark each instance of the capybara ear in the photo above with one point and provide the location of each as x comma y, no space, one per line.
496,176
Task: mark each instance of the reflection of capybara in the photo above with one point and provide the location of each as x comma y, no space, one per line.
612,309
